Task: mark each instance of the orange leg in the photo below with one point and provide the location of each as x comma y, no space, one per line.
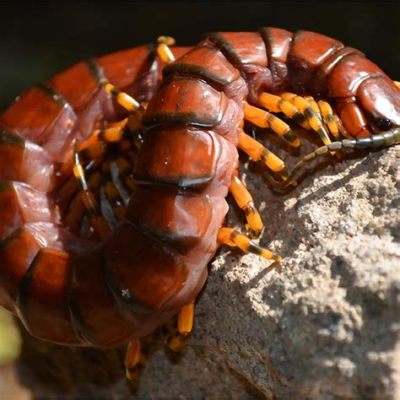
245,201
133,359
265,119
230,237
175,337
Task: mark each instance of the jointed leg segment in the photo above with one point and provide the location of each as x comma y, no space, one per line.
133,359
230,237
163,50
122,98
175,336
257,152
265,119
310,114
245,202
97,221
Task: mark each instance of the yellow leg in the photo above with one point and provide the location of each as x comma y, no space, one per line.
122,98
277,104
311,116
265,119
185,319
330,118
110,135
97,221
95,147
318,112
257,152
77,208
163,50
175,336
244,200
133,359
230,237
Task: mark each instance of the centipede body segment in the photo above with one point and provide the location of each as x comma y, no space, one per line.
114,174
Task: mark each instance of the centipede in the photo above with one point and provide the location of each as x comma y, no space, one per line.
114,174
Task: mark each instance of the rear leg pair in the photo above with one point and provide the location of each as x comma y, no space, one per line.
174,337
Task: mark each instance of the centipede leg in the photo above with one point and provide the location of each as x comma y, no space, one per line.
133,359
125,173
310,113
112,193
77,209
97,221
245,201
257,152
175,337
265,119
163,49
330,118
123,99
277,104
233,238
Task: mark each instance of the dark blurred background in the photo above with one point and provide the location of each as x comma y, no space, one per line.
39,39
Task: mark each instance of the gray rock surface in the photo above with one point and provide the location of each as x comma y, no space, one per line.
325,325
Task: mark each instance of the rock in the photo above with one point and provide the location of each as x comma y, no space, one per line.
325,325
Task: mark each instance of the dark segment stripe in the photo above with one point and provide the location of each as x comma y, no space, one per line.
189,118
255,249
195,70
11,139
266,36
226,48
52,93
95,70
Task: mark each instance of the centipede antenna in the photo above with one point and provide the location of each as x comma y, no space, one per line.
163,49
265,119
385,139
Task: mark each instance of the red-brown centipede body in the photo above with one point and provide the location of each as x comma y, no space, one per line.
70,287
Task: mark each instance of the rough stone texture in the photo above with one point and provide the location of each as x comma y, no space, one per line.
323,326
326,325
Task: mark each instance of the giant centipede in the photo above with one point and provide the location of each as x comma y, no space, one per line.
114,173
